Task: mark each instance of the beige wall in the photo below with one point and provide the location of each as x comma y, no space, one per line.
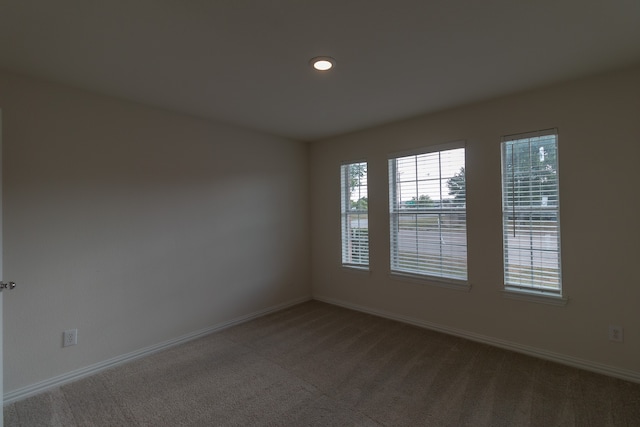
598,119
137,226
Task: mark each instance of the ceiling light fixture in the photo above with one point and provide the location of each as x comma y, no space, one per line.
322,63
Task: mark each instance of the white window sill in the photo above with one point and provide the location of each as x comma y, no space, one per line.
440,282
535,296
357,269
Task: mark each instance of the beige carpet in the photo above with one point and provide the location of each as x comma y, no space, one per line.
321,365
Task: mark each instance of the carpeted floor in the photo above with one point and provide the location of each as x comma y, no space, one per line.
320,365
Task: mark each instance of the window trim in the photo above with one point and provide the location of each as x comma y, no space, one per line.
522,291
429,279
429,149
423,279
535,296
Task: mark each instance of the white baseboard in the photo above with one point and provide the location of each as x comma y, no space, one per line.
77,374
575,362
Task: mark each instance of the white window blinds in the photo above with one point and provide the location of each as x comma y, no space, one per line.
354,210
530,212
427,195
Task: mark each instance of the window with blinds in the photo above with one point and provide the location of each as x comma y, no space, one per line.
427,198
355,219
530,212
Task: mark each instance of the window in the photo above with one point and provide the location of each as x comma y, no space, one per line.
530,212
355,221
427,198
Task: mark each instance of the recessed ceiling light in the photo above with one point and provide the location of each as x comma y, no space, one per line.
322,63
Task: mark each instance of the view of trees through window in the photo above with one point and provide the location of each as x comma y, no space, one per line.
427,201
531,228
357,177
428,214
355,219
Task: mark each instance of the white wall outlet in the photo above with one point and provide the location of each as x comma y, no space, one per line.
616,333
69,337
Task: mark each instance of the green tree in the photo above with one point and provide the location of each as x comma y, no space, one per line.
458,187
361,204
356,172
422,201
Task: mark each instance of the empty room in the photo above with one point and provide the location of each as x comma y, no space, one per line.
291,213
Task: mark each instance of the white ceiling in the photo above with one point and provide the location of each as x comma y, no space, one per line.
246,61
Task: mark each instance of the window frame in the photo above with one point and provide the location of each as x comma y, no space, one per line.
532,291
395,269
346,235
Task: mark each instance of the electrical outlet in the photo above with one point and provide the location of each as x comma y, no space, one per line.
616,333
70,337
